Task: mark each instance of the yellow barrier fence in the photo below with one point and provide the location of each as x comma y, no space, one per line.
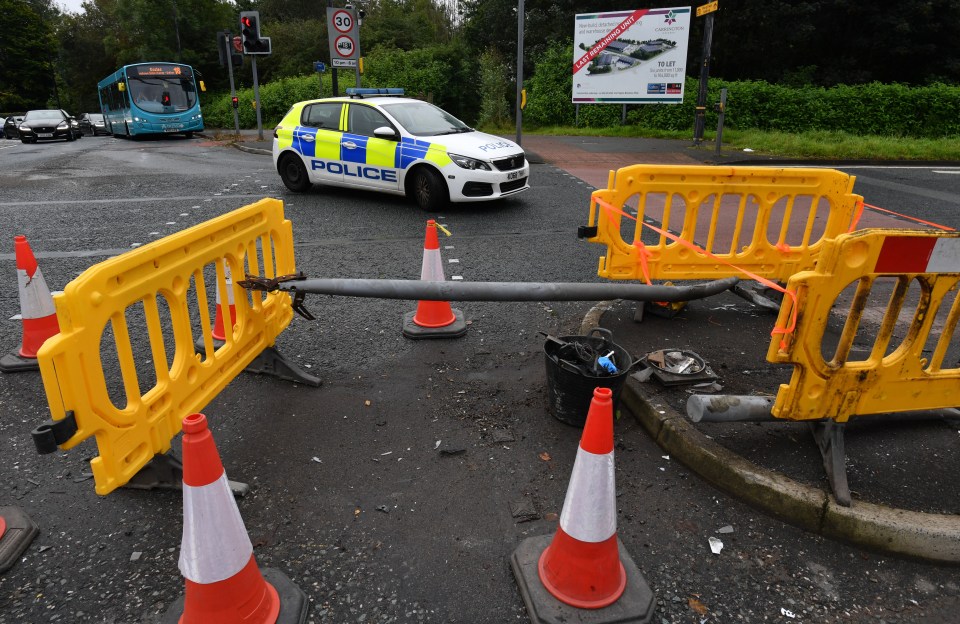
769,221
143,311
909,363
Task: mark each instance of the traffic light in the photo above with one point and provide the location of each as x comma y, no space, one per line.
226,51
236,101
253,43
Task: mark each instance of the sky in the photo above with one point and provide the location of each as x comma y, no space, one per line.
70,6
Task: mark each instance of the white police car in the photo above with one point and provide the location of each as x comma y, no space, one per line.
373,139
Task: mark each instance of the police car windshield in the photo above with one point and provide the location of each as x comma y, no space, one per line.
423,119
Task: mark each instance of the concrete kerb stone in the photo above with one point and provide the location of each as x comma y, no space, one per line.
931,537
237,143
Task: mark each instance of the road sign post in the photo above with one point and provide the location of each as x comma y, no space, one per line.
320,67
344,39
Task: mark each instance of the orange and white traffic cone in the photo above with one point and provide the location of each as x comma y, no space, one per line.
223,583
17,530
433,319
37,311
584,565
230,308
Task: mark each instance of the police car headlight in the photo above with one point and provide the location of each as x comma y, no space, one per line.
469,163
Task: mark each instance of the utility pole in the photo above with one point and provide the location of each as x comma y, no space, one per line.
176,28
700,119
520,11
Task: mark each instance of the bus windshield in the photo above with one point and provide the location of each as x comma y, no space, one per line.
162,95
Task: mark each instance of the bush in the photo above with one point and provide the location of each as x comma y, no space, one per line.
877,109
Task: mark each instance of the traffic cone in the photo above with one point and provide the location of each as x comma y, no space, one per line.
584,565
223,583
433,319
222,312
37,312
231,308
17,530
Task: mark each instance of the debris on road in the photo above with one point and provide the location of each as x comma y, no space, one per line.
715,545
524,511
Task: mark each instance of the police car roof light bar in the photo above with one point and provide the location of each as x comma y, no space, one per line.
369,91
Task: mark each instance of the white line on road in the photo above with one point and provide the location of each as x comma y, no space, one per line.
122,200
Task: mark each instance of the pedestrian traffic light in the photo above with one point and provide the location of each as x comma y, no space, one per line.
236,101
253,43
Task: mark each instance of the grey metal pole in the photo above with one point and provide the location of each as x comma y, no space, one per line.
520,11
233,91
256,97
333,70
499,291
729,408
723,108
700,118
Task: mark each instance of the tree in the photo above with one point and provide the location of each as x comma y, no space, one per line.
27,52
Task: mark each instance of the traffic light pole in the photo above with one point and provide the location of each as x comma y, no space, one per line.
256,97
233,91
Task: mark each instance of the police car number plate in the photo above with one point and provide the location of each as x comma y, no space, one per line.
516,175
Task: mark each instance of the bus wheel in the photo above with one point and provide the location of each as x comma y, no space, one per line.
293,173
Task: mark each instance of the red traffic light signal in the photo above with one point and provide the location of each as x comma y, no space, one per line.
252,42
236,101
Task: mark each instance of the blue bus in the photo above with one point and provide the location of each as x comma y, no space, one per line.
151,98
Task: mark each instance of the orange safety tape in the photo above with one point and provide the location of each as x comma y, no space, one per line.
930,223
856,216
641,248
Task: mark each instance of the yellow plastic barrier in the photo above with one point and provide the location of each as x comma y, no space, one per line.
166,290
771,222
905,366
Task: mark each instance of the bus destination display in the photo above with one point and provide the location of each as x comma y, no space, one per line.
159,71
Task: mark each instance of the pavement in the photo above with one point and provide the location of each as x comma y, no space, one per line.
774,467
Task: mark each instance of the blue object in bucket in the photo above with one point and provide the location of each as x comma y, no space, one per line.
607,363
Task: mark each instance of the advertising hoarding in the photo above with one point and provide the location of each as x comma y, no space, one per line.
630,57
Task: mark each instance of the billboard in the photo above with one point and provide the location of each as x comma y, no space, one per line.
630,57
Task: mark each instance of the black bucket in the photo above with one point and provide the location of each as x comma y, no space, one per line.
569,390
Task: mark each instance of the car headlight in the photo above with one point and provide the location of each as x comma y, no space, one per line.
25,127
63,125
468,163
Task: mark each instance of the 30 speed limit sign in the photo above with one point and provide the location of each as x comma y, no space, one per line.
344,37
342,21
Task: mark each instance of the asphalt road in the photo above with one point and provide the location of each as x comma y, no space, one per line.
396,491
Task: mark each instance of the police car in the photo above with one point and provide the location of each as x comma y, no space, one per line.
374,139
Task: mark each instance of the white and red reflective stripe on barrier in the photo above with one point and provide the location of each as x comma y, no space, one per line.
35,299
228,284
215,543
590,508
919,254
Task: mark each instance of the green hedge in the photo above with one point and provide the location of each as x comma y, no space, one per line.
877,109
435,73
275,100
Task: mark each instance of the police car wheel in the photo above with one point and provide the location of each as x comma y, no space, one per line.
293,173
429,190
